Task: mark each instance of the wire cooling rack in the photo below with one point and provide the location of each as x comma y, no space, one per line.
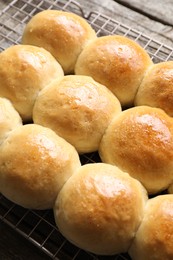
39,226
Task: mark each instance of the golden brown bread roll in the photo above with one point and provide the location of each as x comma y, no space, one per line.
63,34
170,188
24,71
9,118
140,142
100,208
116,62
157,87
154,238
78,109
34,165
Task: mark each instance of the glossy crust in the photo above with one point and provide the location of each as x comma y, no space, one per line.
34,165
9,118
100,208
24,71
116,62
140,142
156,89
63,34
78,109
170,189
154,238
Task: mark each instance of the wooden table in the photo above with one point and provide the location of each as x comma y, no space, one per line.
154,18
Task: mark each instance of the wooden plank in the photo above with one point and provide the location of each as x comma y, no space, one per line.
154,29
157,10
4,3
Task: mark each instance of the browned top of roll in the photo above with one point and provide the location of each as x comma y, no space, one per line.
24,71
156,89
140,141
154,238
100,208
77,108
116,62
34,165
63,34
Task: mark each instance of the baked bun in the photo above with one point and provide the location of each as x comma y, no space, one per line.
154,238
78,109
63,34
34,165
9,118
170,189
140,142
157,87
24,71
116,62
100,208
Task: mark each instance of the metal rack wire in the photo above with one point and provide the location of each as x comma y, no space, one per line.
38,226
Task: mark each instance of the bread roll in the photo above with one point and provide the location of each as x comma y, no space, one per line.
9,118
63,34
34,165
140,142
116,62
78,109
24,71
100,208
170,188
157,87
154,238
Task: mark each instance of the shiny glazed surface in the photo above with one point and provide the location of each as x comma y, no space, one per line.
63,34
140,141
116,62
34,165
156,89
154,237
100,208
78,109
24,71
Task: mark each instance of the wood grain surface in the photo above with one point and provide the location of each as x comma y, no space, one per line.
156,10
146,16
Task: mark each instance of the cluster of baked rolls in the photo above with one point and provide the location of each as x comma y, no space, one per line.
65,92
